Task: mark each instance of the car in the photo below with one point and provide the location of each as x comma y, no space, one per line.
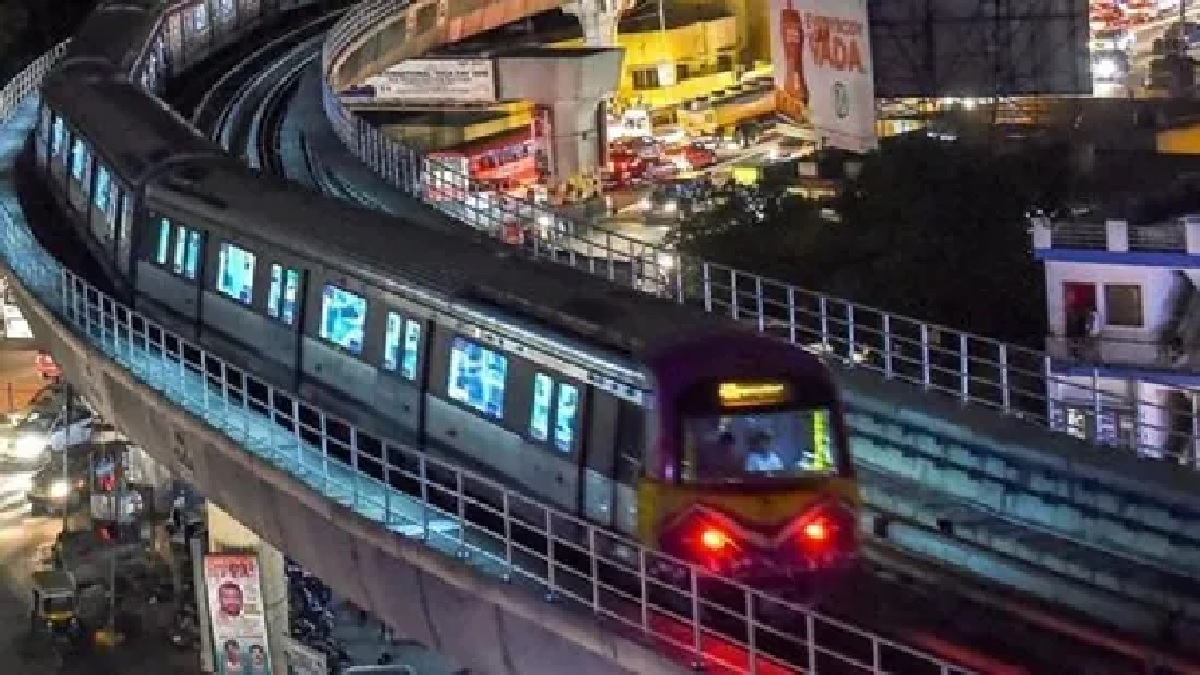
31,441
51,488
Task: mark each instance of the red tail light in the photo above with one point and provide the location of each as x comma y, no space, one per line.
714,540
817,531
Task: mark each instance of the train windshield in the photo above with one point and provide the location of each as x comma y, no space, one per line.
778,443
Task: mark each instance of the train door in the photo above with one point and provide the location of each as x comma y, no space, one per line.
597,480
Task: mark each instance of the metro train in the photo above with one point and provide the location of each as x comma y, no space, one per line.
641,414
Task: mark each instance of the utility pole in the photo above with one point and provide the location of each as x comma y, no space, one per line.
66,473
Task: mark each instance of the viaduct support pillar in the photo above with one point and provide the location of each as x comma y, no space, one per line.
226,535
598,18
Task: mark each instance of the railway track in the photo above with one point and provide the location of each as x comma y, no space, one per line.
248,119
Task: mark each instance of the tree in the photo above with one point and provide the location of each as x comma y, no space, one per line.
930,229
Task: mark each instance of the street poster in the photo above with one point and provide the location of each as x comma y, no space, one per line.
239,621
821,52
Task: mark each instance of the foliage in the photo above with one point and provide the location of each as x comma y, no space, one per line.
929,229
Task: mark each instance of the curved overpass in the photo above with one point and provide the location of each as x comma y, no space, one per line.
265,459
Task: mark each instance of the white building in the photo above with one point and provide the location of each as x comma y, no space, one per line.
1124,319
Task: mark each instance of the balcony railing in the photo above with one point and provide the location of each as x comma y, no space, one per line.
1179,236
1104,351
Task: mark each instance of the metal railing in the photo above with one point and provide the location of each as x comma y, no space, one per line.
1170,237
423,497
1006,378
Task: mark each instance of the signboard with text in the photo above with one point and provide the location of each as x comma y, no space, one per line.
239,621
438,80
822,58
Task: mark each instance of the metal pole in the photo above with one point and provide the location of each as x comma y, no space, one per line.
66,422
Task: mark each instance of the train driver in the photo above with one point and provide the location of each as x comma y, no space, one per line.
761,457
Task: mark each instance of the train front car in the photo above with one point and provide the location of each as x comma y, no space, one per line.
750,476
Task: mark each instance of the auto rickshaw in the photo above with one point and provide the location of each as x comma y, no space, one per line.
55,606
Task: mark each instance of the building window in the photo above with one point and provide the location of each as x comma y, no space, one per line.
235,273
645,78
539,415
164,242
343,318
285,289
565,416
187,252
1123,305
477,377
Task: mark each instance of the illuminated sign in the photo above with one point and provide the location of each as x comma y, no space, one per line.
750,394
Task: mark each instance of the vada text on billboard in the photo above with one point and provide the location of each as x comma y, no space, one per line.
822,57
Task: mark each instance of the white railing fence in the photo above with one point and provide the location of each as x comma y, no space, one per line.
1012,380
427,498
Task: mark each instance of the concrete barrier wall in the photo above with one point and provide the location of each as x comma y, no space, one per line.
1107,497
487,625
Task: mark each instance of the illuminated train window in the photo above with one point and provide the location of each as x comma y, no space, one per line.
235,273
477,377
283,294
56,136
539,414
565,416
400,342
78,159
100,193
187,252
164,242
343,319
776,443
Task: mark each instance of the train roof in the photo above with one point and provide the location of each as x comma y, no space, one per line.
379,248
116,32
131,130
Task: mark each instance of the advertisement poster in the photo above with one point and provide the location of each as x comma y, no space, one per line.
239,622
822,57
440,80
304,660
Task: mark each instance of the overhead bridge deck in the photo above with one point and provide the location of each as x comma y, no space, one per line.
957,411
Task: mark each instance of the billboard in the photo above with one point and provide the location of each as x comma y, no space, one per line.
822,57
973,49
438,81
239,621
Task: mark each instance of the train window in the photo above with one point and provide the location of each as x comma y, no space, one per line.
565,417
285,289
57,136
235,273
200,17
343,318
477,377
78,158
412,341
391,341
100,193
734,447
539,415
187,252
164,242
